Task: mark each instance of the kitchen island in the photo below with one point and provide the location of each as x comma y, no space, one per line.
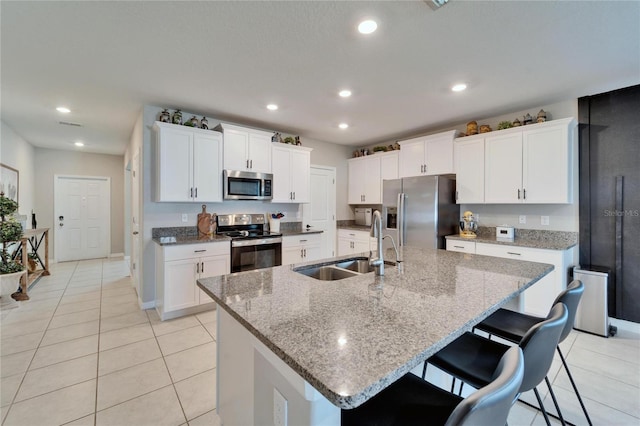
328,345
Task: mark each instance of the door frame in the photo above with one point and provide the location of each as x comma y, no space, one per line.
331,240
56,194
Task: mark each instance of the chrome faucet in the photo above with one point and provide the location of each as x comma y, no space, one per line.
376,232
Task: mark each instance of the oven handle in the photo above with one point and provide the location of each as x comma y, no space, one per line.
259,242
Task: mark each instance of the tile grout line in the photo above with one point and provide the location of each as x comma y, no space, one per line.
10,405
95,405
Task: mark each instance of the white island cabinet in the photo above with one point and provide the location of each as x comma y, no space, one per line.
178,267
354,242
188,164
246,149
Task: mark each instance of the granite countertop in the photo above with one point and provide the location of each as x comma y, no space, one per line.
355,227
351,338
189,239
532,238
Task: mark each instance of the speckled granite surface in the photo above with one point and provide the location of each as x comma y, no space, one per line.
352,338
533,238
183,235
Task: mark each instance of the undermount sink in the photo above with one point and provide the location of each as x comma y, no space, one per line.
338,270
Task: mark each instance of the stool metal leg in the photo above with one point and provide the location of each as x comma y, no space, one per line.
544,412
555,401
575,388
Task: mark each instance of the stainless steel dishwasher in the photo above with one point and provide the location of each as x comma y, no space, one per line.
592,315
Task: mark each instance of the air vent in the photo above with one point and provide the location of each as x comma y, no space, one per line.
435,4
66,123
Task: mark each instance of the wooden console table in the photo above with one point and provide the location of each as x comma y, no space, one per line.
33,238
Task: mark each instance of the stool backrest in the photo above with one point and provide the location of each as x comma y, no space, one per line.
539,345
571,298
490,404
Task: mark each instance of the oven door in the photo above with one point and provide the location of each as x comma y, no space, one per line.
247,255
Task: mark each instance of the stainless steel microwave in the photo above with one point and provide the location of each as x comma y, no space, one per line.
239,185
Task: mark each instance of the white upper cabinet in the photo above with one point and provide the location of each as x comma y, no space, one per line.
291,167
532,164
469,160
427,155
366,175
188,164
246,149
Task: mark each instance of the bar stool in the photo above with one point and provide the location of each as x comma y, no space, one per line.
472,358
512,326
413,401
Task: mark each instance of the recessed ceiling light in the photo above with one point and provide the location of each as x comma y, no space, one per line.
272,107
64,110
345,93
78,144
367,27
343,126
459,87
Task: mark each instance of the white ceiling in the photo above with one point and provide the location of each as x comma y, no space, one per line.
104,60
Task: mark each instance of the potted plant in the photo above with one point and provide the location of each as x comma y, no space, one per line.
10,233
32,262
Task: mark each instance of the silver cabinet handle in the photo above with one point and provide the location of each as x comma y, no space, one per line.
305,252
191,194
301,256
202,270
196,192
524,194
200,251
247,163
198,268
514,253
460,247
294,195
425,168
251,162
518,194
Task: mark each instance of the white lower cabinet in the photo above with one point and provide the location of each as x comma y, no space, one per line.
537,299
177,270
354,242
301,248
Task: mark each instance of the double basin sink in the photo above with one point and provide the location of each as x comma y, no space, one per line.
339,270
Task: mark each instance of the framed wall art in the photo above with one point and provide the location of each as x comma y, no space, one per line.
9,180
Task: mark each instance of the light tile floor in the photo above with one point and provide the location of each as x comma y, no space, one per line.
81,352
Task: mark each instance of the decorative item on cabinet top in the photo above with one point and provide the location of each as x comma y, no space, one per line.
379,148
290,140
166,117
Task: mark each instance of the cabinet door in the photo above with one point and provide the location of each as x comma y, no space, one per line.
207,167
469,157
389,166
372,182
259,152
361,246
546,174
236,149
281,161
212,267
175,175
312,252
503,169
300,176
180,284
291,255
345,246
439,155
357,175
411,158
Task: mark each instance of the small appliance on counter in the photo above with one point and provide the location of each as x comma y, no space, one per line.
363,216
505,233
468,225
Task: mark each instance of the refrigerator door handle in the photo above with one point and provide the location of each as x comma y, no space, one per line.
400,219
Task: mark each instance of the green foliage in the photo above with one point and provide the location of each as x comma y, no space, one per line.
10,230
7,206
505,125
10,267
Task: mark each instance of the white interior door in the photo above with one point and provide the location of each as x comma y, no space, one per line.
320,212
82,217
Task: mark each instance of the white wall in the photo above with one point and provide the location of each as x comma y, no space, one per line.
49,162
561,217
19,154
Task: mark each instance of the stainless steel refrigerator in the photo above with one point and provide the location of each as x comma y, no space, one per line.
419,211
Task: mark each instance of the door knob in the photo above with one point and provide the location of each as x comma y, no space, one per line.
135,232
61,218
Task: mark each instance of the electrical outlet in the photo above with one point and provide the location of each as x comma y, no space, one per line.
523,218
279,409
185,217
544,220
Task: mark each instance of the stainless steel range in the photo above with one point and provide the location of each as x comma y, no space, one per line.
251,246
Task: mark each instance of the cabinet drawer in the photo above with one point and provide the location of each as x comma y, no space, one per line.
189,251
553,257
354,235
461,246
301,240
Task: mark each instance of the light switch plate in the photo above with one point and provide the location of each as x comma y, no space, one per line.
523,218
185,217
544,220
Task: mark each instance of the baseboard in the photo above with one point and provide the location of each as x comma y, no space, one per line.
127,258
116,255
146,305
